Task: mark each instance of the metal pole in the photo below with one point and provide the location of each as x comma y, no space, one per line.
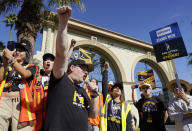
176,75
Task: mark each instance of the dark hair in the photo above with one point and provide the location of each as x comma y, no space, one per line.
95,80
121,88
26,61
42,72
184,87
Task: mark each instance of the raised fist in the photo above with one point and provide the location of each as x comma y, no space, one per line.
7,53
64,14
73,42
106,65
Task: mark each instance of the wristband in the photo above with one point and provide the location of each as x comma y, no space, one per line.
13,62
10,61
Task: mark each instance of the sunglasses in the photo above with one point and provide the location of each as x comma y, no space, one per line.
84,68
145,87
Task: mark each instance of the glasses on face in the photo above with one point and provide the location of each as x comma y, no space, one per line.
176,87
145,87
49,59
83,68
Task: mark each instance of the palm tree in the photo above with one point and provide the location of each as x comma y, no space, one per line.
1,45
10,21
29,19
1,51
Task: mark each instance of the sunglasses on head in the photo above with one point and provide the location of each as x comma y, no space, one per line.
20,49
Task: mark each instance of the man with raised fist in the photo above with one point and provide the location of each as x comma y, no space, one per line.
68,105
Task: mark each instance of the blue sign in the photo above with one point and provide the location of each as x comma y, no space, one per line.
166,33
168,43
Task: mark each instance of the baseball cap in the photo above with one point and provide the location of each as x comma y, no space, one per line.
24,44
82,62
48,55
117,85
110,83
146,84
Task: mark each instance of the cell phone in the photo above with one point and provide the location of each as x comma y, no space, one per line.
11,45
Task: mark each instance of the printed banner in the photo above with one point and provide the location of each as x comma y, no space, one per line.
168,43
146,76
85,55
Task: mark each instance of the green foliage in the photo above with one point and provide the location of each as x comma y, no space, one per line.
30,16
10,20
1,45
9,5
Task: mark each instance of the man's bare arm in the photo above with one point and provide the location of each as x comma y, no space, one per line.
187,115
94,104
60,63
93,108
69,53
165,116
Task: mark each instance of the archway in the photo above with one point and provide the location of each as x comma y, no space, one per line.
159,69
104,52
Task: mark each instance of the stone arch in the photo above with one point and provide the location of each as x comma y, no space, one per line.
159,69
103,51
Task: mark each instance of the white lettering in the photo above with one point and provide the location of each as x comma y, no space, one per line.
164,31
161,39
171,36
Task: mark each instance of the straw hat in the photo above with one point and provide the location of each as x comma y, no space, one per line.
187,84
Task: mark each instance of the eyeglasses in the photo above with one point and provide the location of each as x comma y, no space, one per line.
145,87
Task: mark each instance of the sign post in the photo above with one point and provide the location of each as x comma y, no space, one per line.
168,45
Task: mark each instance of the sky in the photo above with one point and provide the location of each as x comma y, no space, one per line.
134,18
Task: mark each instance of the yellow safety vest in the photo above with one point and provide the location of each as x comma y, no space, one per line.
125,108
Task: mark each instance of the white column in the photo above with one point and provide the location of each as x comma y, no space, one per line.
43,40
48,41
54,42
170,69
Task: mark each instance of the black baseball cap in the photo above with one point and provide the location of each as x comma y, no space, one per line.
117,85
24,44
48,55
82,62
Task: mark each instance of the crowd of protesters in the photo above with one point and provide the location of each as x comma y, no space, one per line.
54,101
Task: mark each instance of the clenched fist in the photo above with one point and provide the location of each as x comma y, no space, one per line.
7,53
64,14
73,42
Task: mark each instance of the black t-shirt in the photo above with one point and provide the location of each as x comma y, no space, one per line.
153,116
67,106
14,79
114,122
